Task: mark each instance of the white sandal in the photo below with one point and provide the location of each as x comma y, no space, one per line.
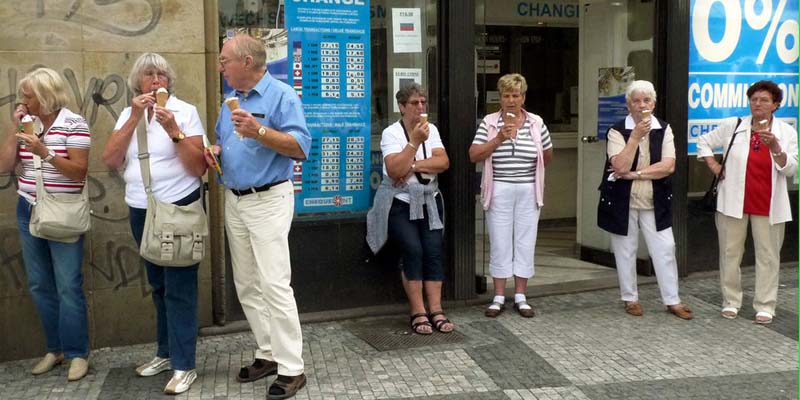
765,314
733,310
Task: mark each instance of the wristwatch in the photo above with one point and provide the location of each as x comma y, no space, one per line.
413,167
639,174
178,137
262,131
50,155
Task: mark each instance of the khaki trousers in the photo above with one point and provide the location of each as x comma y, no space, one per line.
258,234
768,240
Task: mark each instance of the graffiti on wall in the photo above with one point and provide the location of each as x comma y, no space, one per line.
77,12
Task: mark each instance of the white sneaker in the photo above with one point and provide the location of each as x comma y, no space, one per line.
156,366
181,381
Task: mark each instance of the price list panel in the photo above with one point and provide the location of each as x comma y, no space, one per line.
331,54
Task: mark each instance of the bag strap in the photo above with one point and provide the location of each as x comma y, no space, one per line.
40,191
424,155
738,122
144,155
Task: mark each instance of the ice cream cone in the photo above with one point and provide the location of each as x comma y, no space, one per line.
27,125
423,118
232,102
161,97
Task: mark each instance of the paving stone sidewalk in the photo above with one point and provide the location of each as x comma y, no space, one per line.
579,346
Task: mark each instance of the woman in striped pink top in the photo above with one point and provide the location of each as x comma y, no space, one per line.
61,139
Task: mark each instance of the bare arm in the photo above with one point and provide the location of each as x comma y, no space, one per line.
437,163
8,153
480,152
622,162
189,150
547,156
398,165
117,145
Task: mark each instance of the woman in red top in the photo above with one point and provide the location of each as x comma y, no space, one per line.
752,190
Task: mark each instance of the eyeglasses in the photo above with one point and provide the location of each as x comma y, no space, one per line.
223,62
417,102
155,75
760,100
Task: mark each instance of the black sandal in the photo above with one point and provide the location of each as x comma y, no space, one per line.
438,323
415,325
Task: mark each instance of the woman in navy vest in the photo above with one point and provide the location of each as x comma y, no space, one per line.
636,194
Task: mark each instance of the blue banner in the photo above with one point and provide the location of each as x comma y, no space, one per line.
329,45
732,44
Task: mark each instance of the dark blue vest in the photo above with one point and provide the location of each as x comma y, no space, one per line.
615,197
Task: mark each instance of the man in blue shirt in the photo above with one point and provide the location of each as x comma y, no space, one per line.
257,144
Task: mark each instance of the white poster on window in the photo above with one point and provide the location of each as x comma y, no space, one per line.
406,30
402,77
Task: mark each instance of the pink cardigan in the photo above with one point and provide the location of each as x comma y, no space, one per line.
488,174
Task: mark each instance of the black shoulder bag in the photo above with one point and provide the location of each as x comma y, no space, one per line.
709,202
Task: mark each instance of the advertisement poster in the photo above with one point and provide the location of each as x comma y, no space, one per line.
406,30
330,70
402,77
733,44
611,85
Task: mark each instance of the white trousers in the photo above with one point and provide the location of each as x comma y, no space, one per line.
767,240
258,234
512,221
660,244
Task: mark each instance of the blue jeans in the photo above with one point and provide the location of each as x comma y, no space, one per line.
56,285
175,298
420,247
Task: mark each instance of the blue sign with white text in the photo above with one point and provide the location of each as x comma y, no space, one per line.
733,44
329,49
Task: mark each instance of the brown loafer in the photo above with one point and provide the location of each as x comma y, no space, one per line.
681,311
259,369
285,387
525,312
492,313
634,308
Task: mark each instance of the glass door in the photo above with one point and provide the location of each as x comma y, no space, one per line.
616,47
541,41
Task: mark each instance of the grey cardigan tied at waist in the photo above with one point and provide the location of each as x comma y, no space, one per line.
378,215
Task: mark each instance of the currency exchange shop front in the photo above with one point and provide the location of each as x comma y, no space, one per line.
345,61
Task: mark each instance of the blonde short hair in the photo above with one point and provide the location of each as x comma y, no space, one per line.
245,45
512,82
150,60
641,87
49,88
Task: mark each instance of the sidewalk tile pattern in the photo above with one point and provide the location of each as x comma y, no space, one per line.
580,346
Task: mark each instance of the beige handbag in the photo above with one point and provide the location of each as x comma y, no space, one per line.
173,236
62,217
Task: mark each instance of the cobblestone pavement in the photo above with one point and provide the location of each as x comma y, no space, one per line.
579,346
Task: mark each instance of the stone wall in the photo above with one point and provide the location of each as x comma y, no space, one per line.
93,45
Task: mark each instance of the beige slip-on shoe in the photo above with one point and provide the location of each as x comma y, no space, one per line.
78,368
47,363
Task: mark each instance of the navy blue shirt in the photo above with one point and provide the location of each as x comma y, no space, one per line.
246,162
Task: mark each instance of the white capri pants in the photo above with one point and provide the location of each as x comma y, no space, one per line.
660,244
512,221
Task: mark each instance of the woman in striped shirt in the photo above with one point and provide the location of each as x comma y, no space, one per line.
61,139
514,146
